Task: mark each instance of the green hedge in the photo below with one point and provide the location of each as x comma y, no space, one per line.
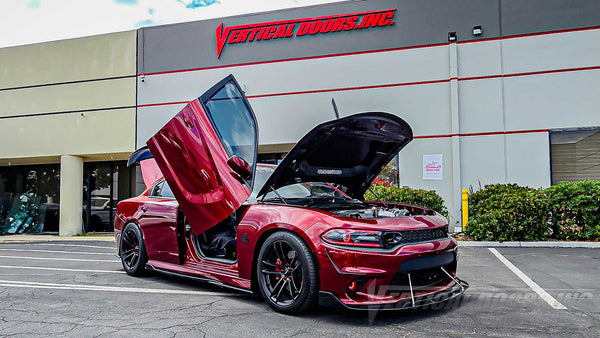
428,199
575,210
507,212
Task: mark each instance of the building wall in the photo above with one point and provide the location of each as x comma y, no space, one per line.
74,97
485,103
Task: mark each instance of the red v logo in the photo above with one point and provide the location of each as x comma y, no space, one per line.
221,37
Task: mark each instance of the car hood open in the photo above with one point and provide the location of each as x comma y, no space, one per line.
350,151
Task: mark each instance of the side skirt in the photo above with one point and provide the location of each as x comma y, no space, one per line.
196,278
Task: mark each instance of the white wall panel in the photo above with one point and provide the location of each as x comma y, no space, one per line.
480,105
68,97
285,119
482,160
90,57
528,159
151,119
411,168
551,51
413,65
98,132
557,100
479,59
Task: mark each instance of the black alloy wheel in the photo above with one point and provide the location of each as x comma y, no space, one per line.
133,251
287,274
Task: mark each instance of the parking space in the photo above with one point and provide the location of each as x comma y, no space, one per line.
78,288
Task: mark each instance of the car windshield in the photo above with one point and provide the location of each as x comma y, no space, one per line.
296,190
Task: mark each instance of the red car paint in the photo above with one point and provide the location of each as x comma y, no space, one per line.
194,163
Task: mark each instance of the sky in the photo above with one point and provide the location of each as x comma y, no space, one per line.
24,22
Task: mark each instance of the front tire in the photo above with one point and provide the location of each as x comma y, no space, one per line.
133,250
287,273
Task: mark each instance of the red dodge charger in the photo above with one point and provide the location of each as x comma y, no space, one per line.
299,233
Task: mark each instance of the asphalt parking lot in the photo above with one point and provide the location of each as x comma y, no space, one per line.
78,288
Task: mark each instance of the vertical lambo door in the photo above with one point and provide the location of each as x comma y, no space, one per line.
207,154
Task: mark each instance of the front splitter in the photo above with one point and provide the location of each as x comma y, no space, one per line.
327,298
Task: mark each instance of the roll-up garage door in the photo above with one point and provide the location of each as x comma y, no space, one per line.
575,155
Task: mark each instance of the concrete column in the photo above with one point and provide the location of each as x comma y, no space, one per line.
455,209
71,195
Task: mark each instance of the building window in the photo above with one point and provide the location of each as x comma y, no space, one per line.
104,185
575,154
29,198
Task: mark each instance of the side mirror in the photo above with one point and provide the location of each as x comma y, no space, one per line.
240,166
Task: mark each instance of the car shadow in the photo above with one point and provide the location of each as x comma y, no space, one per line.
321,313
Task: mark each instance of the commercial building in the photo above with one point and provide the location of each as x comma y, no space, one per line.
495,91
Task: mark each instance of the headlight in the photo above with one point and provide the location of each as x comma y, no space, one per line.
352,237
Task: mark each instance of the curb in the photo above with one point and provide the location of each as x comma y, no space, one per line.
553,244
8,239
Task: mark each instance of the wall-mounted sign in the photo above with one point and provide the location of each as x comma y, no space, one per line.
302,27
432,167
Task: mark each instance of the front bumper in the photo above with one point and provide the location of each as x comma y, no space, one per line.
413,276
329,299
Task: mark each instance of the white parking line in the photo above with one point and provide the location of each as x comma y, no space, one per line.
57,269
38,285
62,259
533,285
60,251
55,244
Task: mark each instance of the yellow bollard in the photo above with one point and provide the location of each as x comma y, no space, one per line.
465,208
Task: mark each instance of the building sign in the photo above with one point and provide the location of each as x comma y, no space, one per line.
432,167
302,27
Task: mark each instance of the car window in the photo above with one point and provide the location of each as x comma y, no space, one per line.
234,123
262,173
296,190
306,189
166,191
156,189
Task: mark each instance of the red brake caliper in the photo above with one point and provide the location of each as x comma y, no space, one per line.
278,269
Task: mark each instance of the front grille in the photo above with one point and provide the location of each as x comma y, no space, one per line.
394,238
420,278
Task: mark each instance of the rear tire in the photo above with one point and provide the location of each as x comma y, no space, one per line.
133,250
287,274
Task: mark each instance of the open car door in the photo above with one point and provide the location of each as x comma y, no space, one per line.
207,154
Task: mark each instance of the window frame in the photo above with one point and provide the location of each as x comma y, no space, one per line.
207,96
162,183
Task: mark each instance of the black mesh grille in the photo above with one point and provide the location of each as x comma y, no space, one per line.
414,236
421,278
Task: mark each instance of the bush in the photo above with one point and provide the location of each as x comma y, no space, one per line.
428,199
508,212
575,210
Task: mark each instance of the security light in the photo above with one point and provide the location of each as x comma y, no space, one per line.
477,30
451,36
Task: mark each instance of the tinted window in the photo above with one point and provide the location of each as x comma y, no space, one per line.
234,123
305,190
296,190
156,189
166,191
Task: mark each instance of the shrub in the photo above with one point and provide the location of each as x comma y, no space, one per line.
575,210
425,198
508,212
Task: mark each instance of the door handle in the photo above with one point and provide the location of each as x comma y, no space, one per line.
144,208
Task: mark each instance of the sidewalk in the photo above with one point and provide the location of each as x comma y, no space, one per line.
541,244
27,238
